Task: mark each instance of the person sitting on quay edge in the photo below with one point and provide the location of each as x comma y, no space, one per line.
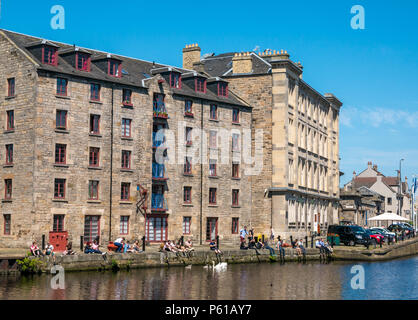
119,242
213,247
49,251
95,247
189,245
243,234
319,244
251,243
265,245
69,249
280,248
135,247
34,250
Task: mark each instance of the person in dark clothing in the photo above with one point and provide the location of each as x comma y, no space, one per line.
266,246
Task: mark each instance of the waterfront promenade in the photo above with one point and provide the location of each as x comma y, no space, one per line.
202,256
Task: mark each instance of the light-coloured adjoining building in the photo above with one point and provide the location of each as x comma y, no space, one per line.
395,192
297,191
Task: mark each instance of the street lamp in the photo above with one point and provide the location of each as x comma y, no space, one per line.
400,187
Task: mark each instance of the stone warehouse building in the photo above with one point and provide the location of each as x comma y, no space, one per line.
297,191
87,152
97,144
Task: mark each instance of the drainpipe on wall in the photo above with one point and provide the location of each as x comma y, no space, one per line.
201,172
111,169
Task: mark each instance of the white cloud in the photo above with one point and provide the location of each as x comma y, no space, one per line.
377,117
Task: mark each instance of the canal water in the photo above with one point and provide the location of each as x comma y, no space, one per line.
397,279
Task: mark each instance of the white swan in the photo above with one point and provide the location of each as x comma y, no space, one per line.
188,267
220,266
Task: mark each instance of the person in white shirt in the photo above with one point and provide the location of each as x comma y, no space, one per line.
119,243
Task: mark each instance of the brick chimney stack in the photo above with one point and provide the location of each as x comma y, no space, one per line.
369,164
242,63
191,55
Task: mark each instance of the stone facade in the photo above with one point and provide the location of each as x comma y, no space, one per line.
297,192
34,206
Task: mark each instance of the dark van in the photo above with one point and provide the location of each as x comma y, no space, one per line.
350,235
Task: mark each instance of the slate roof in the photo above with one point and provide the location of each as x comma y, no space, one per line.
134,71
221,64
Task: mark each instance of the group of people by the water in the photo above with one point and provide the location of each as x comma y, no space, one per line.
49,250
124,246
178,248
249,241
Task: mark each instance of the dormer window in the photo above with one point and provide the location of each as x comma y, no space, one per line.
83,61
49,55
114,68
222,89
200,85
175,80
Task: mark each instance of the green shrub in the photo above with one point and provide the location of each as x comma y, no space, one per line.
30,266
115,265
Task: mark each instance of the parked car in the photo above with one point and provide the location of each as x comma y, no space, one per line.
400,227
350,235
385,232
376,236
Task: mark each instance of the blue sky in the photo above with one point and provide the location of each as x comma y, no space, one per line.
373,71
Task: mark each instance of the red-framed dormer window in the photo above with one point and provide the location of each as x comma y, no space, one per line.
222,89
49,55
83,61
200,85
127,97
114,68
11,87
175,80
62,85
95,92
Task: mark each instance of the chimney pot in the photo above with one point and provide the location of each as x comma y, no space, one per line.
191,54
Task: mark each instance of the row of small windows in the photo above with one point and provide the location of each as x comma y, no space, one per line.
62,90
187,168
92,226
187,196
94,123
60,186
